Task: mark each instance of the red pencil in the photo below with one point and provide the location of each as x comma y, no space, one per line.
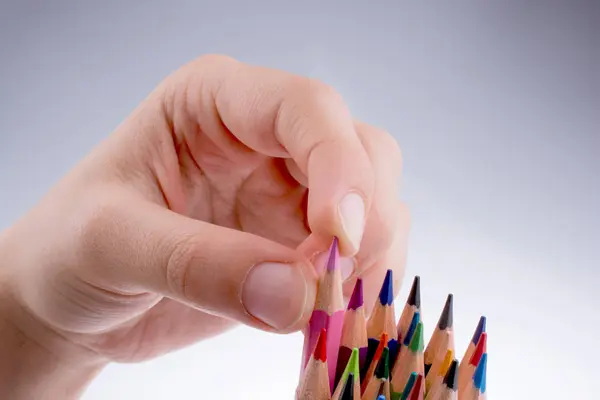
315,382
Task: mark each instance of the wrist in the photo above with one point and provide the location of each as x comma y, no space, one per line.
37,362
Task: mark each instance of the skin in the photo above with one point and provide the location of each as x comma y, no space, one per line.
151,242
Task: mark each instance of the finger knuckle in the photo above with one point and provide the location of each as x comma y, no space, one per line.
391,147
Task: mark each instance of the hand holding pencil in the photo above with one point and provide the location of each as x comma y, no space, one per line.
207,207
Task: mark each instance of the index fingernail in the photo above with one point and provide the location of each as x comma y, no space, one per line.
352,216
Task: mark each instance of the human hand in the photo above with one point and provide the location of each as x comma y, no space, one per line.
205,208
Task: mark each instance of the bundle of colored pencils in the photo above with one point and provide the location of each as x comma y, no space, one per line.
349,357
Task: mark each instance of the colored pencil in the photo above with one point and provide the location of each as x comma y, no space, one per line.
465,376
477,389
413,305
407,388
438,379
439,359
411,361
444,326
367,376
481,328
328,313
351,368
315,382
354,331
448,389
381,377
418,389
378,359
383,319
348,392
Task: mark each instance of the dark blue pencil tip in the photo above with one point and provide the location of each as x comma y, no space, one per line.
386,295
382,397
479,378
480,329
411,328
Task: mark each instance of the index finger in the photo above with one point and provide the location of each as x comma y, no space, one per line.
283,115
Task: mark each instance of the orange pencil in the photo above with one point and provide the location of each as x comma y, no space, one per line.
444,327
354,332
315,381
381,379
368,375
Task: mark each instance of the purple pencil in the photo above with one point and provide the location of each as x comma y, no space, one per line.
354,332
328,314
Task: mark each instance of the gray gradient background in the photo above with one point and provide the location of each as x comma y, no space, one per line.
495,104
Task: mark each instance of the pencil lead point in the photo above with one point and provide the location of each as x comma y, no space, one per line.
386,295
417,391
334,255
479,378
417,342
411,328
414,298
409,385
321,348
356,300
451,377
481,326
348,390
447,317
382,371
479,350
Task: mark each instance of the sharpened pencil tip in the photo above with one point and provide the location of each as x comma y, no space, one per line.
451,377
334,255
479,350
386,294
356,300
479,379
382,397
348,391
409,385
411,328
417,392
321,349
382,371
417,343
447,317
414,298
480,329
353,364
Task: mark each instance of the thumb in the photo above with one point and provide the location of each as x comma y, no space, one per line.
218,270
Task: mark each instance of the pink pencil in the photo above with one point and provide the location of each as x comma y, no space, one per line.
328,314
